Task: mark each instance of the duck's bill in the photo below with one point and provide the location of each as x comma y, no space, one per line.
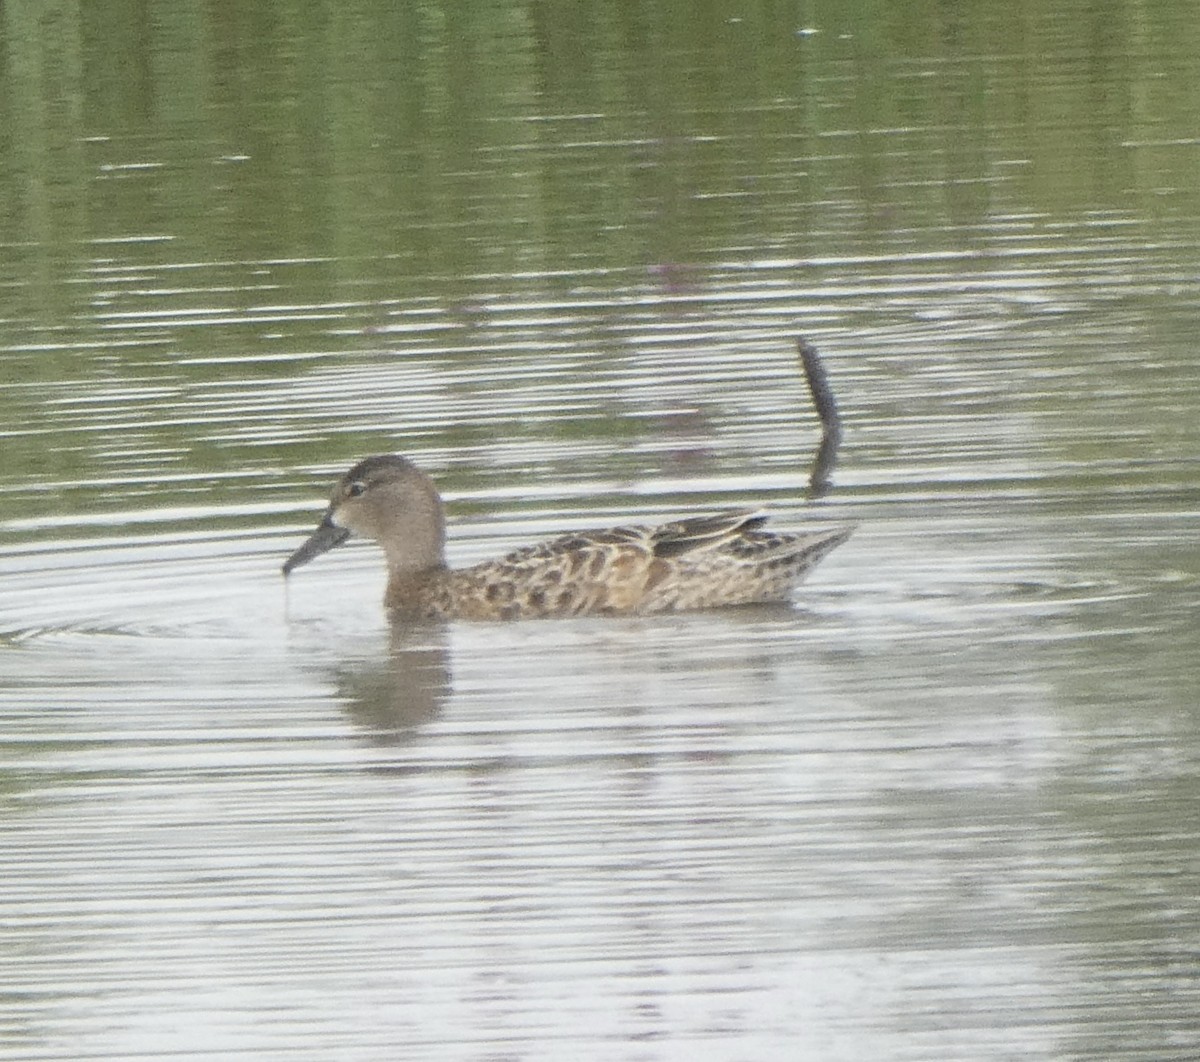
322,540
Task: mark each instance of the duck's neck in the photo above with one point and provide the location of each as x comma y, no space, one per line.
408,589
414,539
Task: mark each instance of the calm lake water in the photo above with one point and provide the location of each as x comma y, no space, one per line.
945,807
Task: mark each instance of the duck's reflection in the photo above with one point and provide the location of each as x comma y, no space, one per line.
392,698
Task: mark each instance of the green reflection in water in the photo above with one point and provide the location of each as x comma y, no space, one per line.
183,185
463,139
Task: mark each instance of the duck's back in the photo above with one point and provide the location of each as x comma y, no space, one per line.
701,562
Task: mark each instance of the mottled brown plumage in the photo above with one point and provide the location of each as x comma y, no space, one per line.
700,562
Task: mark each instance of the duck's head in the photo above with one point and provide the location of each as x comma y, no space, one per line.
390,501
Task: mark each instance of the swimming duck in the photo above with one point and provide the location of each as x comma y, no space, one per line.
698,562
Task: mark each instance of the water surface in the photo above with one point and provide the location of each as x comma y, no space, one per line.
943,807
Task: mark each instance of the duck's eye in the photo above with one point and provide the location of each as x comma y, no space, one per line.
353,490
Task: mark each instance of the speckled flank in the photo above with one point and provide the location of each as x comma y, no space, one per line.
702,562
620,571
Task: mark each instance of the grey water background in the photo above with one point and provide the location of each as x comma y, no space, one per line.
945,807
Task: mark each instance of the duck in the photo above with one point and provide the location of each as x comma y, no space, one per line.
698,562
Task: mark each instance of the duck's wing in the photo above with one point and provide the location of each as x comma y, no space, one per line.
626,550
725,560
602,571
704,532
700,559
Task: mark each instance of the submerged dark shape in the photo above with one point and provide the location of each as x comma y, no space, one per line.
831,421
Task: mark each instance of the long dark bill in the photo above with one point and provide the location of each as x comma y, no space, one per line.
324,538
